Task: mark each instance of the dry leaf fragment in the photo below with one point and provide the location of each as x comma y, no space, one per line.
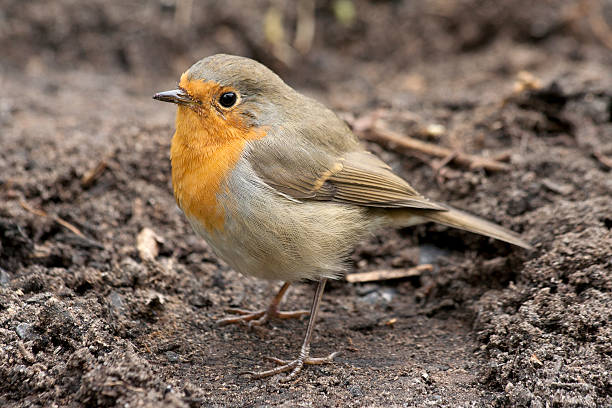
147,244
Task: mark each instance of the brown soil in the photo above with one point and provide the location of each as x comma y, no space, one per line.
85,322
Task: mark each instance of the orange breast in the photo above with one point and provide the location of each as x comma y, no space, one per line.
205,148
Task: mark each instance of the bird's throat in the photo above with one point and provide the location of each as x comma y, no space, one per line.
204,151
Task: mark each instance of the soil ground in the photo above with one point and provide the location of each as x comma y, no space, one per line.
84,321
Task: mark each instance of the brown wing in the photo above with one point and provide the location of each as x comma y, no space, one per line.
358,178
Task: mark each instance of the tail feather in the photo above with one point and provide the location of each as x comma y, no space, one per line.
461,220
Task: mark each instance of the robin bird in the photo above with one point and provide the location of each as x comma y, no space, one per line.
280,187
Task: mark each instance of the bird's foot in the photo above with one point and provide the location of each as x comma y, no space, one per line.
259,317
295,366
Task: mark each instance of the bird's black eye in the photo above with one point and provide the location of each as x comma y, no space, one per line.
228,99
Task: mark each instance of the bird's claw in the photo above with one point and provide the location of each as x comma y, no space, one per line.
259,317
295,366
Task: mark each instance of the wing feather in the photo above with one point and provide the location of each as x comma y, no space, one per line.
358,178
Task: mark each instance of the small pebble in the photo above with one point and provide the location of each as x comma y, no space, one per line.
172,356
380,296
25,331
4,277
355,391
363,290
429,254
116,302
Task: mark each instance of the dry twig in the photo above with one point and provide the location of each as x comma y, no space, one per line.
55,218
275,34
575,13
386,274
94,173
603,159
182,13
26,354
305,30
367,126
379,134
597,21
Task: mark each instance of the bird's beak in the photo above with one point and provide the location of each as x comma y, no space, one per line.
177,96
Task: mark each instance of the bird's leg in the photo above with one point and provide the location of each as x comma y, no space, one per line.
259,317
295,366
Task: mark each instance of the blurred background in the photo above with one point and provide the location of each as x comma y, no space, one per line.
312,43
107,298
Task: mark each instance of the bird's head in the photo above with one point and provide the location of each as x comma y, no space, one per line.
230,90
